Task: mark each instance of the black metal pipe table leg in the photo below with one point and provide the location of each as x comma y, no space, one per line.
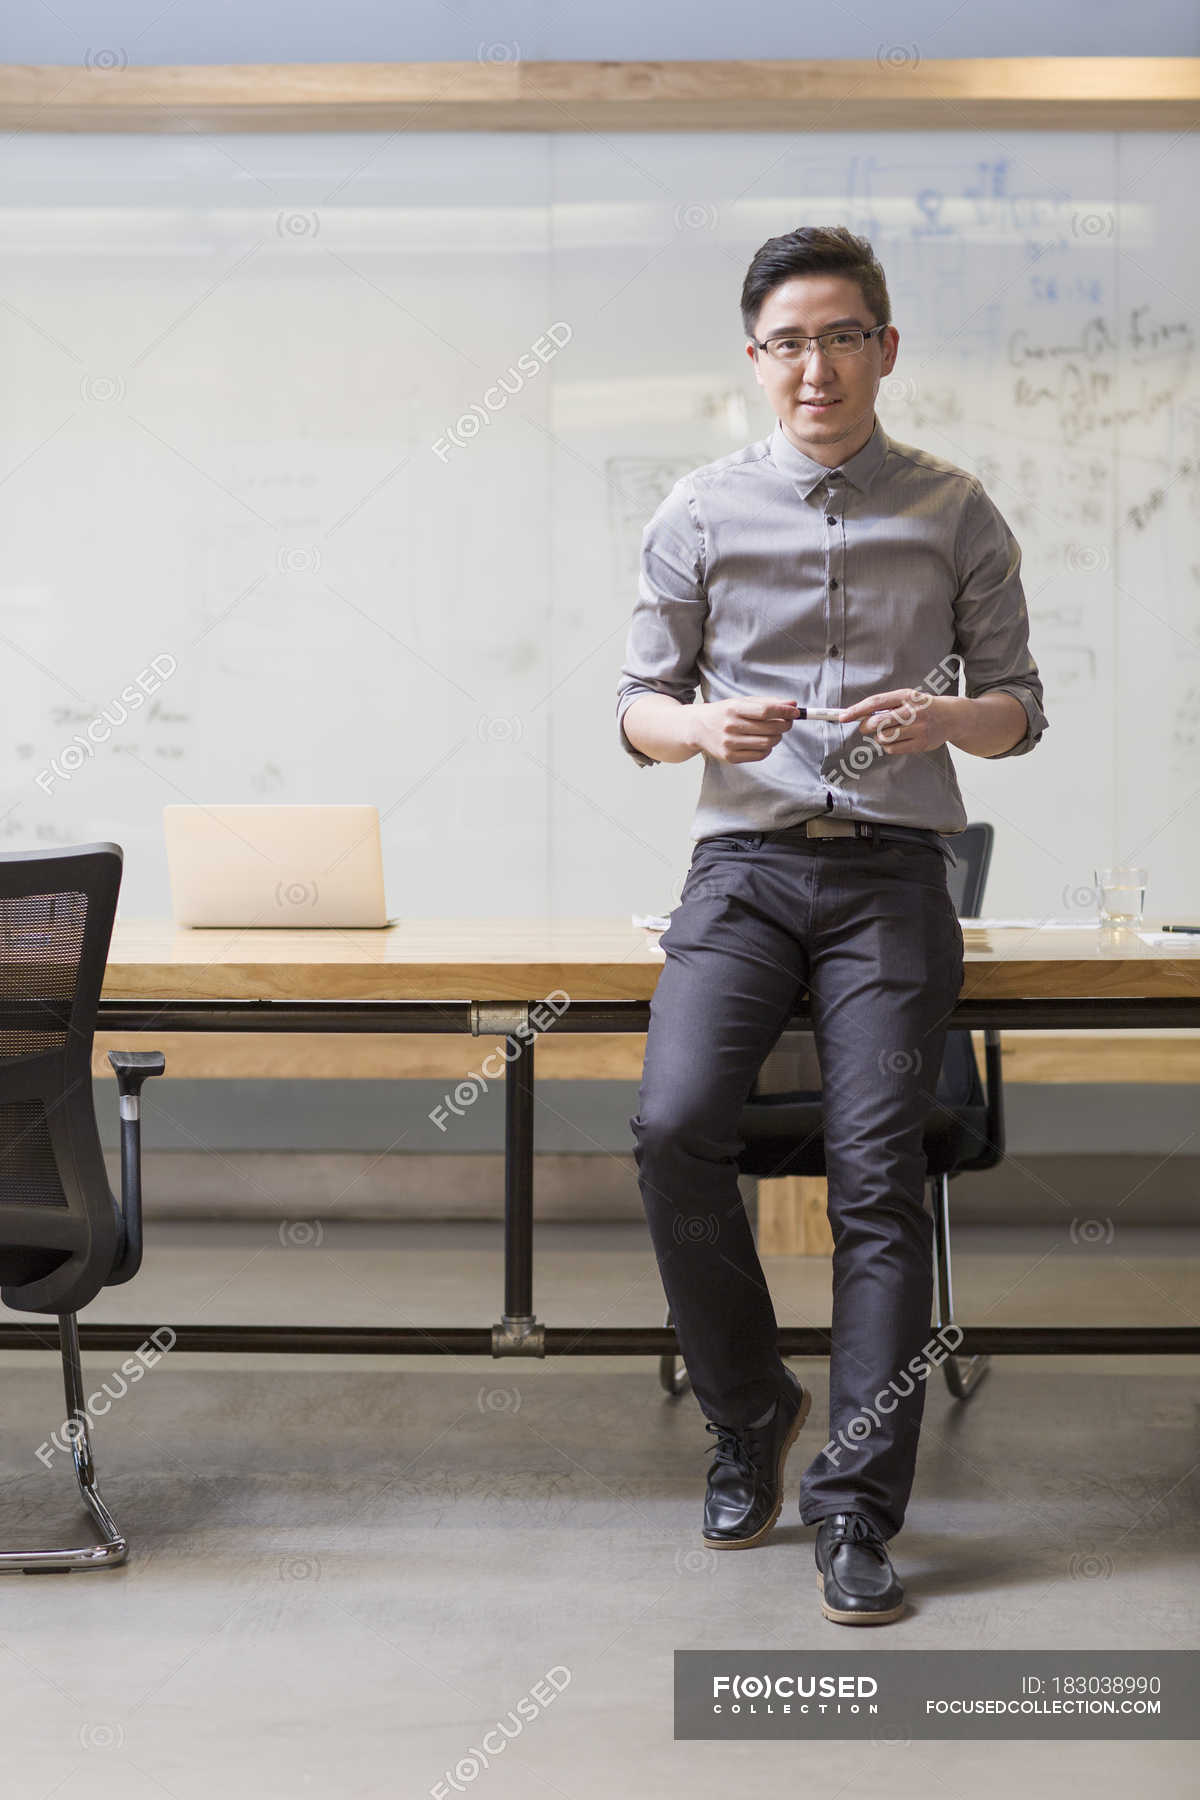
518,1333
518,1180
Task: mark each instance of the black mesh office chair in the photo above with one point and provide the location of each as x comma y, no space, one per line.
783,1132
62,1235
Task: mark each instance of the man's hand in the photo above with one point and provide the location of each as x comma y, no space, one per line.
910,719
903,720
742,729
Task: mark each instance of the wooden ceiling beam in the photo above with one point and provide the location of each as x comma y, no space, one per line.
898,91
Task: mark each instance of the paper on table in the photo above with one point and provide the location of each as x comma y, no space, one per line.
660,921
1035,924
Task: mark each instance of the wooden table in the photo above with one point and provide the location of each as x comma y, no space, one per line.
600,959
491,978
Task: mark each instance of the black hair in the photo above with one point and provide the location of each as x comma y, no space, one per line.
814,250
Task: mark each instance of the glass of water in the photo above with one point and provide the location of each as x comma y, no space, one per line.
1121,895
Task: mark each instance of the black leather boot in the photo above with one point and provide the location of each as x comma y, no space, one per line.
854,1572
745,1477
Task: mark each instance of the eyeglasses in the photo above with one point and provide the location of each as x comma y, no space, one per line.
793,348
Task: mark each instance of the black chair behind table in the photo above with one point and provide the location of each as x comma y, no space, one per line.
63,1236
782,1123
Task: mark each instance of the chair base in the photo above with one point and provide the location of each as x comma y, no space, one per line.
963,1373
673,1378
112,1550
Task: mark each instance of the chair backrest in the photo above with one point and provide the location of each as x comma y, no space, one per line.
60,1225
968,879
958,1083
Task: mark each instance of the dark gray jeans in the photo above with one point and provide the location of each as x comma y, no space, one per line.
869,931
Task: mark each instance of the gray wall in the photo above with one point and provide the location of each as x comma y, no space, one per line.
221,31
584,1117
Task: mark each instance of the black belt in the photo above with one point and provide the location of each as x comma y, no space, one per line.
822,826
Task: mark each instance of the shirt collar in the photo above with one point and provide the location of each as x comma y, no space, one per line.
859,469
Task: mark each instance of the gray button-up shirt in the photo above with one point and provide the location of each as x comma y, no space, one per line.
765,573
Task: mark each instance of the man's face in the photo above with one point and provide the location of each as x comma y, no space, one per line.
806,305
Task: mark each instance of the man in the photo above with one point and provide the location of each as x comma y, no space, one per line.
825,566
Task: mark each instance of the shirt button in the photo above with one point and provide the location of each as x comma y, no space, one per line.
833,649
833,583
829,519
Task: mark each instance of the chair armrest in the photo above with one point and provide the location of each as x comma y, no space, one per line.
133,1068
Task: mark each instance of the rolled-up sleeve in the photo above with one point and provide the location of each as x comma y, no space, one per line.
991,618
666,632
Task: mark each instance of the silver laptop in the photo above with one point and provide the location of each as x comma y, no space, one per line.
300,867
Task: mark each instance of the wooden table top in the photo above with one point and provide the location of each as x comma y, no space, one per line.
587,958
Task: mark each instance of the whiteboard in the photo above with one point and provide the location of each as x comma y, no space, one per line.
253,429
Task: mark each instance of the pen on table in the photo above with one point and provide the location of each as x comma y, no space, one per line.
1191,928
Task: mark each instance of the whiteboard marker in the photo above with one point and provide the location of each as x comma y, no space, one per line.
820,712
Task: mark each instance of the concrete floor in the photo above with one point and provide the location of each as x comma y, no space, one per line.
344,1570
